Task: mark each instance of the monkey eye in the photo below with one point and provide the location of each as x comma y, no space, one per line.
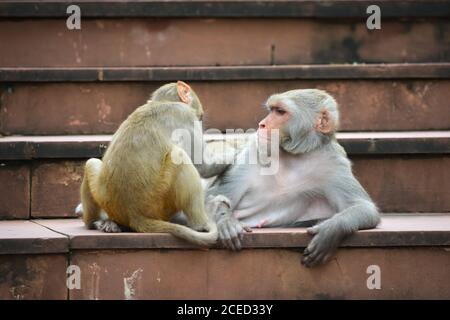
278,110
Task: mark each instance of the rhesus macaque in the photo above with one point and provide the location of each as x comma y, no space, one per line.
314,180
138,183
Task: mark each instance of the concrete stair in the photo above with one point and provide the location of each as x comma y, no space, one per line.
63,93
34,256
376,97
42,174
196,33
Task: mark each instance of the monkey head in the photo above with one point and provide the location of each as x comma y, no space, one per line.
305,118
179,92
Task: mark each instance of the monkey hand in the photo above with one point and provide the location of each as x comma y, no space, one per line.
231,232
326,238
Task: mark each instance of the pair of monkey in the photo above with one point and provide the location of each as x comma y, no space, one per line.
139,184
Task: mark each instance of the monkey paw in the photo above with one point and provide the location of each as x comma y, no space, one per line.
231,232
79,210
326,238
107,226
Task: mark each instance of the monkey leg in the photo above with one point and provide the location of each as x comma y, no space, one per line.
104,224
188,190
191,199
186,193
89,188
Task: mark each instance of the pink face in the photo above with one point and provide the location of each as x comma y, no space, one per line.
276,119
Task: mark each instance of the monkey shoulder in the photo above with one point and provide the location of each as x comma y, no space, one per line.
337,155
324,167
153,121
161,118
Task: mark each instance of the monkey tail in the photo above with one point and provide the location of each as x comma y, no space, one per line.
144,224
193,236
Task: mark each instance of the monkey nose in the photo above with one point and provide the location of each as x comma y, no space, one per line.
261,125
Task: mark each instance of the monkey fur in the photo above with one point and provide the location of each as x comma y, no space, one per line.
314,181
137,183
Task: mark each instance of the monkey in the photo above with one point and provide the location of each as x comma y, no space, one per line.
312,187
144,177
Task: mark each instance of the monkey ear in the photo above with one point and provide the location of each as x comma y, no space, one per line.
324,123
184,92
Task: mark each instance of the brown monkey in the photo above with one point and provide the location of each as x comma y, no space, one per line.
139,184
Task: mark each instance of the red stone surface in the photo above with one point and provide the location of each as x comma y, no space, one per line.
14,191
394,230
170,42
24,237
55,188
396,184
261,274
97,108
153,266
405,183
33,277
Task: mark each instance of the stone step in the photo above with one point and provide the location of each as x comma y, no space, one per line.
188,40
35,254
392,97
402,171
355,144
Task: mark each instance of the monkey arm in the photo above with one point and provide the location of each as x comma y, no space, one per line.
355,208
208,164
231,183
230,187
211,165
355,211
